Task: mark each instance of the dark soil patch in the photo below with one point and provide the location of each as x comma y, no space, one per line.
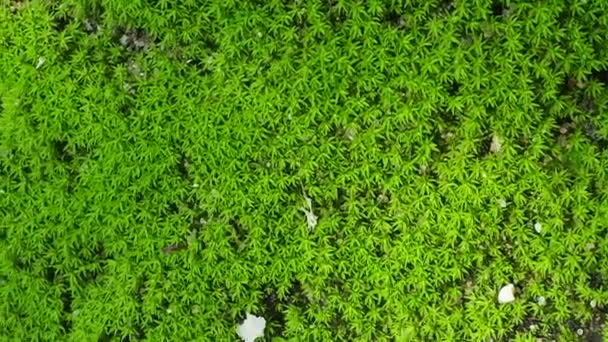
273,313
66,322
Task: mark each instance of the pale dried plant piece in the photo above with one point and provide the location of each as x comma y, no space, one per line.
506,294
496,145
251,328
311,218
538,227
41,62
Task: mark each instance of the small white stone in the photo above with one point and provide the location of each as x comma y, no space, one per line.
593,304
41,62
502,203
538,227
251,328
541,301
580,332
506,294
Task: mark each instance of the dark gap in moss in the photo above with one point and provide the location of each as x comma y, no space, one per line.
107,336
94,12
51,274
199,65
334,18
574,325
601,75
340,199
592,133
67,50
483,149
66,322
275,318
140,288
211,45
97,255
172,209
301,21
22,264
568,86
133,40
239,234
296,296
126,110
383,198
183,166
565,127
594,329
61,22
453,87
588,105
443,133
174,248
393,18
528,325
61,151
498,8
444,7
596,281
199,220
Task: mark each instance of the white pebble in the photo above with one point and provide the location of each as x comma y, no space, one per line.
538,227
506,294
502,203
593,304
251,328
580,332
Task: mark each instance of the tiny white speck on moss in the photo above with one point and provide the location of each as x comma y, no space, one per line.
41,62
502,203
538,227
541,301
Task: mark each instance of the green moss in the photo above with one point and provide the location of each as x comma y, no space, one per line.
156,157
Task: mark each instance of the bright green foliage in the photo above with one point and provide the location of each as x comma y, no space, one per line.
155,157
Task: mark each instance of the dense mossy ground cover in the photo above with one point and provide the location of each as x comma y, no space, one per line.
349,170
